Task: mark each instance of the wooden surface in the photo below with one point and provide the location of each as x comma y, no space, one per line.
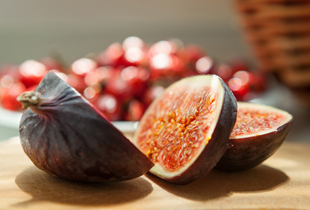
282,182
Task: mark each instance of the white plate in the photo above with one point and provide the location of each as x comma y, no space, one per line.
11,119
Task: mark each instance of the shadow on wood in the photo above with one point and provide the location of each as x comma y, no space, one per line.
44,187
220,184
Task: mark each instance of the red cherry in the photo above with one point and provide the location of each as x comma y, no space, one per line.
224,71
118,87
204,65
112,56
32,72
100,76
158,64
76,82
135,57
245,76
240,84
7,81
91,78
163,47
8,96
151,94
137,79
104,73
135,111
191,53
168,67
109,106
177,67
82,66
32,88
92,93
133,42
259,82
238,64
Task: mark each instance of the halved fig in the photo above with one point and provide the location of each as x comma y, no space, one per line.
258,133
185,131
64,135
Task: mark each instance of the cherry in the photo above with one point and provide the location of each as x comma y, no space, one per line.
133,42
8,96
76,82
245,76
32,88
112,56
109,106
92,93
82,66
240,84
259,82
224,71
191,54
136,78
177,67
238,64
152,93
132,72
7,81
204,65
118,87
167,67
135,57
31,72
135,111
99,77
163,47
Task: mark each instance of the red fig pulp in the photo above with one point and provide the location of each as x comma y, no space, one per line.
185,131
63,134
259,131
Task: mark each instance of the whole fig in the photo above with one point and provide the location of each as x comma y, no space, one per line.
65,136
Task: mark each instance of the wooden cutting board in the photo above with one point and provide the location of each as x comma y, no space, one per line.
282,182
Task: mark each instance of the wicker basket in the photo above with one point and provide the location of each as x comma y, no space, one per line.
279,33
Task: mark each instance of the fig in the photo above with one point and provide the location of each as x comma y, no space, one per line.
185,131
259,131
65,136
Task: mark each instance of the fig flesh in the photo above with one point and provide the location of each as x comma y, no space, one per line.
65,136
259,131
185,131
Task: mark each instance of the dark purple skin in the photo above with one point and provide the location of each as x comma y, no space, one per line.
66,137
246,153
217,145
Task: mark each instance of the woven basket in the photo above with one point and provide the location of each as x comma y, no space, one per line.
279,33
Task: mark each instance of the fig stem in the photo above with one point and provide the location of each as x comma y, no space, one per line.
29,99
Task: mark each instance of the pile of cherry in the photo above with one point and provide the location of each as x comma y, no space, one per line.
124,79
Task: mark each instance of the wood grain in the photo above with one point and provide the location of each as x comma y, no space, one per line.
282,182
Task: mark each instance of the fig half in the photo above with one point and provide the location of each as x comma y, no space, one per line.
259,131
64,135
185,131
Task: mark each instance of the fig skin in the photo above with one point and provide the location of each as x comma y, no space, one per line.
217,145
65,136
248,152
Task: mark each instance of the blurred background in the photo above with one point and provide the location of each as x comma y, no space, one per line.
74,29
29,30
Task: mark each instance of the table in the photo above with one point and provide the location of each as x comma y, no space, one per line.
281,182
